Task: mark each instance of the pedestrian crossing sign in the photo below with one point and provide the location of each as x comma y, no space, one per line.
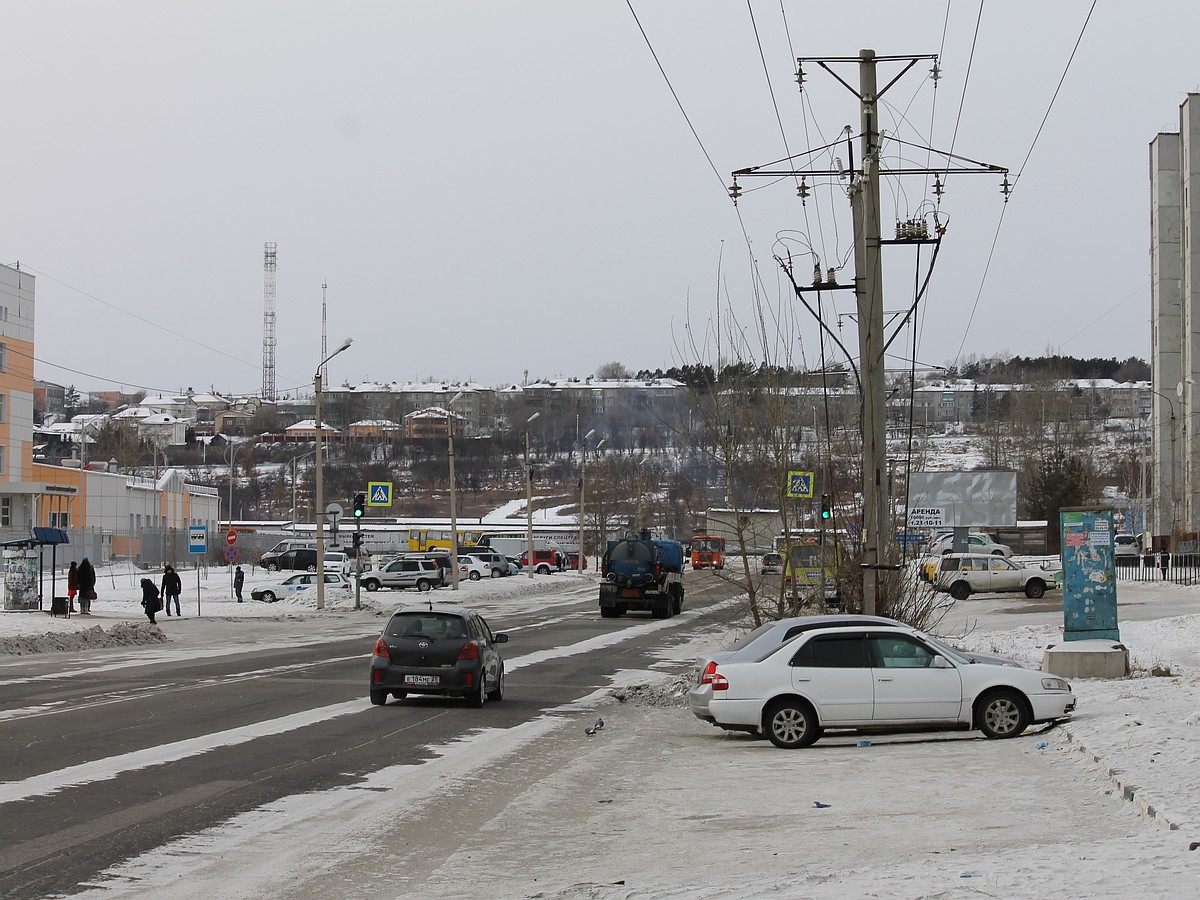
800,484
379,493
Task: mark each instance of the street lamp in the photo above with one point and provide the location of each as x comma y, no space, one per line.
583,490
293,461
453,496
320,510
529,499
1174,482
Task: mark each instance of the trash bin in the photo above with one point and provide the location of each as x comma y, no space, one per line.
60,607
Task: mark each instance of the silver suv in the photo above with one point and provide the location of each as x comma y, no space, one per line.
497,565
422,574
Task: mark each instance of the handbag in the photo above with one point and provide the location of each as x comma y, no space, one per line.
91,595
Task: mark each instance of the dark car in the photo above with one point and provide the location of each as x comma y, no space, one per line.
302,559
443,650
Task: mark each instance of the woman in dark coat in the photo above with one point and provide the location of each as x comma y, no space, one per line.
150,601
72,583
85,576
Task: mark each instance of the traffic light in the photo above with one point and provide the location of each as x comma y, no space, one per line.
360,505
826,512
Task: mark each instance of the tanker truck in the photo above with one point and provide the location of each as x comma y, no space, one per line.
640,573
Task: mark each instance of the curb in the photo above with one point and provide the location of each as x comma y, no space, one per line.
1130,792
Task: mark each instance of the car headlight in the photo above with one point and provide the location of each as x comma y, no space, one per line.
1055,684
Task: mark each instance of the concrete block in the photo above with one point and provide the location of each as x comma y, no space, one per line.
1087,659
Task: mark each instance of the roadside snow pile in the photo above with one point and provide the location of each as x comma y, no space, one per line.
661,694
122,634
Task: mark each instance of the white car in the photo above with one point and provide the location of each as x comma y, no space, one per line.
977,542
302,583
872,676
963,574
472,568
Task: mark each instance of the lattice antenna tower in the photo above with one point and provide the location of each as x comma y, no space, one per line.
268,384
324,338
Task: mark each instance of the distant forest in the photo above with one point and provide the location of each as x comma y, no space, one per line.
985,370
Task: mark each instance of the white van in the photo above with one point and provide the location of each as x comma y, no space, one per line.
1126,546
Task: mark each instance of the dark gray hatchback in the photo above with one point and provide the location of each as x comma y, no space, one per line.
440,650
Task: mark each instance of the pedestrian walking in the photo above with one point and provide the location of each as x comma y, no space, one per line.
239,578
150,599
1164,562
172,587
85,578
72,583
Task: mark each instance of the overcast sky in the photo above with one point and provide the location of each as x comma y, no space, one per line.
495,188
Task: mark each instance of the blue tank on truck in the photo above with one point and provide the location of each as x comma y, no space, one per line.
644,574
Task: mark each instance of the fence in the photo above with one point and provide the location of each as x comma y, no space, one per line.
1184,568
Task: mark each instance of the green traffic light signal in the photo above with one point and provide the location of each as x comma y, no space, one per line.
360,505
826,513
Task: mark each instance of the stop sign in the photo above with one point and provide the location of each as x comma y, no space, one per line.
231,538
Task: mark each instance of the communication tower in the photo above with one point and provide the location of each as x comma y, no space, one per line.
268,384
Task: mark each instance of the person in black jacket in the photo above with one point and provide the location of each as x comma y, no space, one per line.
85,577
150,601
172,587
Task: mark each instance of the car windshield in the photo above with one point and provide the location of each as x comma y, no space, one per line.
426,625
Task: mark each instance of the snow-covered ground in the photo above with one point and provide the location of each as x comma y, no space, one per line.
1136,737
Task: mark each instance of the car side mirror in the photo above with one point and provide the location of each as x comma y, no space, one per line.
940,662
500,638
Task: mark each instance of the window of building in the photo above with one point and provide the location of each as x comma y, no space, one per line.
60,520
3,407
3,460
3,357
5,511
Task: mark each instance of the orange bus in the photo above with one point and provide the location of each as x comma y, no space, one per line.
708,551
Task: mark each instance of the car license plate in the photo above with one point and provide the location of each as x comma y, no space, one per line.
422,679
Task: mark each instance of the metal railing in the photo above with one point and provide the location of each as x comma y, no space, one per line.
1183,568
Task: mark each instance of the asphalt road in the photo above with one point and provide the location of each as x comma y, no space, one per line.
110,754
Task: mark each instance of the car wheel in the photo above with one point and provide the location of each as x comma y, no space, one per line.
311,569
269,567
608,612
474,576
370,584
496,573
1035,589
662,611
960,590
498,693
997,553
543,569
478,696
378,697
791,724
1002,714
423,585
267,596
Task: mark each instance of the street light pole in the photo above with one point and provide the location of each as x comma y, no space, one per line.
319,512
529,499
453,495
1174,481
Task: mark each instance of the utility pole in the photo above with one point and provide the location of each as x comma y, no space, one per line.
878,546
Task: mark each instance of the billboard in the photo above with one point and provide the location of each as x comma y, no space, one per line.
965,499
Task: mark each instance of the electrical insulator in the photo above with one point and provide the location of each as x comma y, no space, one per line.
817,274
832,276
899,230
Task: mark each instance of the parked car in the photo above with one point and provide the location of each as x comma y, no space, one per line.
473,569
964,574
422,574
303,583
977,542
303,559
514,565
435,649
496,564
770,636
573,561
1127,550
440,557
772,564
544,561
872,676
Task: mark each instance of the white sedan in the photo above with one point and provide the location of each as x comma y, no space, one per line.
472,568
302,583
872,677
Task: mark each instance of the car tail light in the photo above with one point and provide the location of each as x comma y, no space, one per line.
719,682
706,676
470,650
381,648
